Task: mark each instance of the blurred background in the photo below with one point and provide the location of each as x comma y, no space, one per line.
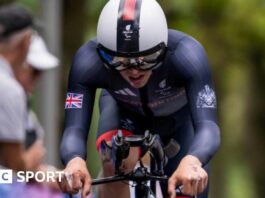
233,34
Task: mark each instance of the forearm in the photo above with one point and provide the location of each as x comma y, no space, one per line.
12,156
206,141
73,144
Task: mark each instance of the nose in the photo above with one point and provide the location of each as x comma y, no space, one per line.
134,71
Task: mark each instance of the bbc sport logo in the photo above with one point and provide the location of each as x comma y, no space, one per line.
6,176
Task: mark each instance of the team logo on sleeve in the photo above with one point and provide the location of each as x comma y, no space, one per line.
74,101
206,98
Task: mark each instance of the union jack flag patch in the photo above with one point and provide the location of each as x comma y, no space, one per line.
74,101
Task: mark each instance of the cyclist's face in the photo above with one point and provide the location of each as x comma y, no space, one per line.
136,78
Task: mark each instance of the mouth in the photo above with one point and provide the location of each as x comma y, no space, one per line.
136,80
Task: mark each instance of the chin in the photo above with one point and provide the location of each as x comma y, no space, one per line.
138,86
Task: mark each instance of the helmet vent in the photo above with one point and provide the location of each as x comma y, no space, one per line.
129,10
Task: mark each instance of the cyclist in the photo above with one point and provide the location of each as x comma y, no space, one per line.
153,78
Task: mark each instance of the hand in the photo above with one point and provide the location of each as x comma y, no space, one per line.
34,155
53,185
76,178
190,175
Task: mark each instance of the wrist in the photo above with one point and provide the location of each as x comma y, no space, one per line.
193,160
77,160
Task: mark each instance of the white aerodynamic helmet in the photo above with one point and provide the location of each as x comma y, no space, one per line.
135,29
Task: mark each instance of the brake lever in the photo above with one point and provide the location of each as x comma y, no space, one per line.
120,150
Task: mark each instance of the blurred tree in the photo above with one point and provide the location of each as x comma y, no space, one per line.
2,2
74,26
255,34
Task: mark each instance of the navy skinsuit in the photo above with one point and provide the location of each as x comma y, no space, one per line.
178,101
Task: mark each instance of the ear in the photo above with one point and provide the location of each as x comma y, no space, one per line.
26,40
23,47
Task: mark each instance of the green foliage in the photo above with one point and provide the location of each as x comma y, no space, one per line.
33,5
3,2
239,174
93,161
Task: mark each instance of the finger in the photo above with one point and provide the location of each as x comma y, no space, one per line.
64,186
196,184
187,186
201,187
171,187
77,183
204,184
204,181
61,184
68,178
69,183
86,187
201,183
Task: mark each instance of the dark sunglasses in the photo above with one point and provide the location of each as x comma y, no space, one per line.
36,72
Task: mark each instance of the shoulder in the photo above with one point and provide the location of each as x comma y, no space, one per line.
178,40
87,68
86,64
86,55
187,55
